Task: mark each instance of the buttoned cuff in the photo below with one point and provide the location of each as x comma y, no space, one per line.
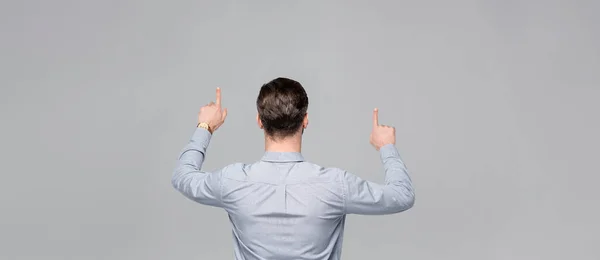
388,150
202,136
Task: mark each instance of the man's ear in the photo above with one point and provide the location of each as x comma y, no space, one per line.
305,122
260,125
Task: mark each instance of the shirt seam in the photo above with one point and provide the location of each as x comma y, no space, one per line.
275,184
221,173
345,193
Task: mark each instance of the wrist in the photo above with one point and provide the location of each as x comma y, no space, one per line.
388,150
206,126
386,146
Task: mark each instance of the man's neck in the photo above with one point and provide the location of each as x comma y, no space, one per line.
288,144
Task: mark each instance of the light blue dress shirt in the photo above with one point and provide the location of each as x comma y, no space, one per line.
284,208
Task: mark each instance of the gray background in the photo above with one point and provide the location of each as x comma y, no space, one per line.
495,105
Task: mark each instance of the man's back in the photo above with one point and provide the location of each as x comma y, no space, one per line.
284,208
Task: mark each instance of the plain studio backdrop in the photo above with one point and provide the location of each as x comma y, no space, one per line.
495,105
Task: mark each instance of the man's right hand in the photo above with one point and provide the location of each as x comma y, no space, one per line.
213,114
381,134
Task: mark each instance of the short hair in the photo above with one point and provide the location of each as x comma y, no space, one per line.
282,105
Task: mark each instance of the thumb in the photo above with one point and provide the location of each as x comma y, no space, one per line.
224,113
375,117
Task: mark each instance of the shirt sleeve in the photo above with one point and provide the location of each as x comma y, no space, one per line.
188,178
369,198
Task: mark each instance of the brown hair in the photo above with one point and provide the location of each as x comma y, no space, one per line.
282,104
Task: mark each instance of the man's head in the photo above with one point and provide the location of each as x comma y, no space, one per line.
282,108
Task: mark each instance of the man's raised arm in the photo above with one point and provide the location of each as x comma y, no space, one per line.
202,187
396,194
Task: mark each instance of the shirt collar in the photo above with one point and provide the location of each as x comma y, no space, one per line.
282,157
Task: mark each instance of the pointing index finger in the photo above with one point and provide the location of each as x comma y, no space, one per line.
375,117
218,102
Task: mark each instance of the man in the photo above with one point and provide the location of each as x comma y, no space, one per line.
282,207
